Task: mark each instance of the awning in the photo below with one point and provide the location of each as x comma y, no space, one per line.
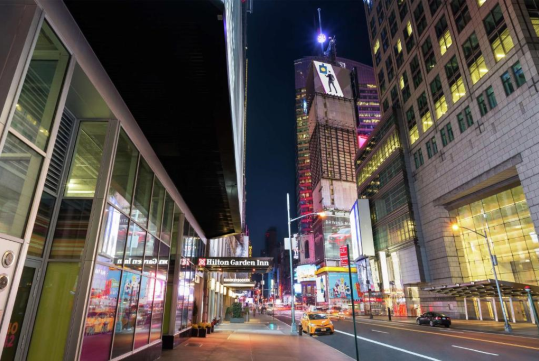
485,288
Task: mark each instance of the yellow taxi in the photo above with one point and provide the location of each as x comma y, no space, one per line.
314,322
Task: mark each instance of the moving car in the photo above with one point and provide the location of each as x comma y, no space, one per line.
313,323
269,308
340,238
434,319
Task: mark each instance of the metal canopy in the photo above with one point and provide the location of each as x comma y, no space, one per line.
168,61
485,288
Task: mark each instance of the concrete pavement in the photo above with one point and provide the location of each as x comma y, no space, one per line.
261,339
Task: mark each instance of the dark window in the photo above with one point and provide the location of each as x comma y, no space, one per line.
482,105
450,135
410,117
385,105
444,137
462,123
441,27
382,81
420,20
428,54
307,250
408,37
452,70
460,13
471,48
403,9
507,84
385,40
491,98
405,87
416,72
394,94
493,19
389,68
373,27
393,26
429,150
436,88
519,74
434,145
381,16
469,118
422,103
418,159
434,5
420,153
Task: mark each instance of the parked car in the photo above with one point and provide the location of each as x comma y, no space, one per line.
313,323
434,319
340,238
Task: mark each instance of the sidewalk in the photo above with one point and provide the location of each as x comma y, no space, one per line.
521,328
260,339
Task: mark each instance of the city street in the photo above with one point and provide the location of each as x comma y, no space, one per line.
382,340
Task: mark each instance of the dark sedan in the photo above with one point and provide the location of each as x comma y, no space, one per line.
434,319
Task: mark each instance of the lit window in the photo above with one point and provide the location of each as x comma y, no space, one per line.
535,23
399,46
502,44
414,134
441,107
445,42
401,82
481,2
457,90
478,69
409,27
376,46
426,121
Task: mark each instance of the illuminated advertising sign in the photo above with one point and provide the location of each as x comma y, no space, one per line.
236,263
361,229
339,286
306,272
321,289
328,78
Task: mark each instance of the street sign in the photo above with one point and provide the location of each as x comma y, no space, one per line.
344,256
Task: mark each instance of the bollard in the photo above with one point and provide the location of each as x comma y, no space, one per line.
300,329
389,313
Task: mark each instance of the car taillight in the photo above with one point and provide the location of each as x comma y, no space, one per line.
438,318
448,318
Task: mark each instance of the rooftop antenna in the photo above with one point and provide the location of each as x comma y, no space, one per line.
321,36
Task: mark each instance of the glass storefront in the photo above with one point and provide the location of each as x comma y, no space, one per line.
506,219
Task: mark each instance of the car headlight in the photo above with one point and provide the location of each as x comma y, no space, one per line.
312,325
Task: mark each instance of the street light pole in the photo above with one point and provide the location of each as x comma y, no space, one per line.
507,326
293,307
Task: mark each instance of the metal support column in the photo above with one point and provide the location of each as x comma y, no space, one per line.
493,301
512,310
466,308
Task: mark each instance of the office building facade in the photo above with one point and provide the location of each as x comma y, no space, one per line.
98,243
461,76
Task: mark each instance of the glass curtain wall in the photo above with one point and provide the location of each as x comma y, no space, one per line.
27,139
506,219
126,305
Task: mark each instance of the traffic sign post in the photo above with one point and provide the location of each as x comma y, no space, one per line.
347,254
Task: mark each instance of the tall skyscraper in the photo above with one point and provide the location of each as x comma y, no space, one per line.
367,115
459,80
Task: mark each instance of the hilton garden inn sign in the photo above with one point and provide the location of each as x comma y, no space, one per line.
236,263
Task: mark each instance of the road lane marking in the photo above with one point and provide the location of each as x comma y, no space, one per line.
455,336
471,349
389,346
379,331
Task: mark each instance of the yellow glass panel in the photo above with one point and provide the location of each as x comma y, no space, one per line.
501,45
441,107
445,42
376,46
414,134
535,23
399,46
409,27
478,69
426,121
457,90
401,82
481,2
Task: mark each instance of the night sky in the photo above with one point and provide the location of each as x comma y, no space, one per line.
279,32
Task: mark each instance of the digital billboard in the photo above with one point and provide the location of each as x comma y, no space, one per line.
306,272
328,78
337,233
321,289
361,229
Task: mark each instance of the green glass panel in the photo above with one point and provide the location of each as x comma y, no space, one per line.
143,194
156,209
54,313
36,106
86,162
123,174
19,170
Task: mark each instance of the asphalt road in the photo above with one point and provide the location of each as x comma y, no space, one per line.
392,341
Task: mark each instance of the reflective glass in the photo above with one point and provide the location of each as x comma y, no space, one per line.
51,325
143,194
123,174
86,162
162,267
36,106
150,256
144,314
19,171
134,251
156,209
157,309
168,214
113,237
71,228
41,226
127,314
101,314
